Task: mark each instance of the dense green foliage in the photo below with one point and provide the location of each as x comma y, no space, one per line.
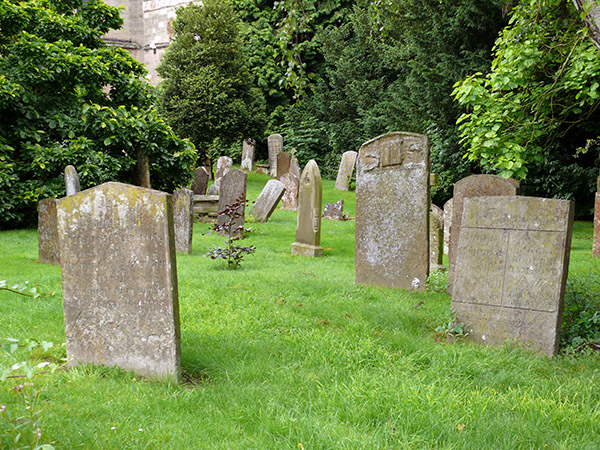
66,98
535,115
207,91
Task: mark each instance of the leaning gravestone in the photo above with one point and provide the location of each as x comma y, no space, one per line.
72,186
511,267
308,230
233,187
48,248
436,241
247,155
284,160
119,279
290,195
224,165
267,201
344,176
472,186
183,219
447,223
392,211
275,146
596,242
200,181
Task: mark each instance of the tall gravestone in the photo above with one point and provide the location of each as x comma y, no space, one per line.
392,211
120,279
48,248
224,165
308,230
596,241
344,176
436,241
267,201
247,155
72,186
275,147
201,177
183,219
289,200
233,187
511,268
472,186
284,160
447,224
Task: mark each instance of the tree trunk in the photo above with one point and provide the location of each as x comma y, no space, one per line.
591,19
141,174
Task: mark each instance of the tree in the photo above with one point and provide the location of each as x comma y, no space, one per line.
207,92
67,98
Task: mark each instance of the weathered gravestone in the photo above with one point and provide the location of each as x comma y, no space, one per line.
275,147
290,195
284,160
48,248
72,186
119,279
267,201
213,189
201,177
392,211
224,165
447,224
436,241
472,186
596,241
344,176
335,211
183,219
308,230
233,187
247,155
294,166
511,267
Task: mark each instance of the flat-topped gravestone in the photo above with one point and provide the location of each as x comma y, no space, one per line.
267,201
275,147
511,267
201,177
344,176
447,223
473,186
596,241
247,155
72,186
224,165
392,211
183,219
289,200
233,187
120,279
308,230
284,160
48,248
436,241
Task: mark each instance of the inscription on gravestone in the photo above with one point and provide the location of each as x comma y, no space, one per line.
392,211
120,279
48,248
308,230
183,219
511,268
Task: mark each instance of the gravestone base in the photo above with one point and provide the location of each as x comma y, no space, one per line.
306,250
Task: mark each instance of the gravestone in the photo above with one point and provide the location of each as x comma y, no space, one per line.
233,186
183,219
224,165
119,279
290,195
284,160
267,201
48,248
200,181
308,230
334,211
511,267
213,189
72,186
447,224
247,155
392,211
295,166
596,241
436,241
275,147
344,176
472,186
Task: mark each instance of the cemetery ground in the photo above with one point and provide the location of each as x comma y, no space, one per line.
286,352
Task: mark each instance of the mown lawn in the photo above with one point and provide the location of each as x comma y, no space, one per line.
287,353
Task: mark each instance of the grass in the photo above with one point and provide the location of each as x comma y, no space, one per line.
287,353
